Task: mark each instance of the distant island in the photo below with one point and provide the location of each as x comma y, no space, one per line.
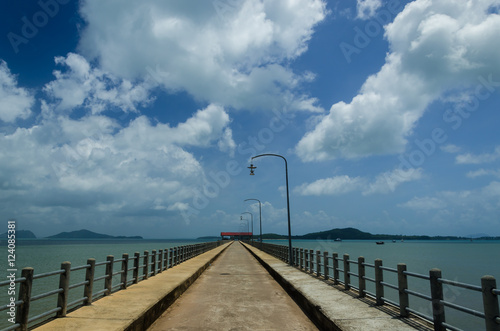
355,234
20,234
86,234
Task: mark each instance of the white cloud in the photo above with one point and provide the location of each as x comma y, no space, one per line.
435,46
383,183
230,53
95,168
388,181
15,102
330,186
467,209
451,149
368,8
478,159
483,172
83,86
424,204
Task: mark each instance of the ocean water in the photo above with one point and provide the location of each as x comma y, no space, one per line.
464,262
461,261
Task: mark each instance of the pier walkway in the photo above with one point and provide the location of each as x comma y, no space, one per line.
234,293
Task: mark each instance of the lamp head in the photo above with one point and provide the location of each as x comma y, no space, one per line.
252,168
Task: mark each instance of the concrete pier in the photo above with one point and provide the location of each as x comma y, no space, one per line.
235,293
233,287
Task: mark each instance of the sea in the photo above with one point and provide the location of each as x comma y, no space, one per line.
461,261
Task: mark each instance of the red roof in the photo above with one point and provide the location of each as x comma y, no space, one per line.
235,234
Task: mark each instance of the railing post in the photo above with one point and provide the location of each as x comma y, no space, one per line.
124,275
437,298
325,265
311,261
175,256
89,279
135,273
404,302
153,262
361,277
318,263
306,259
490,303
379,278
62,298
160,260
335,268
301,258
347,270
145,268
171,257
23,309
108,281
165,264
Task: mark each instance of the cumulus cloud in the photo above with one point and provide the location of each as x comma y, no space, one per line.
478,159
93,166
15,102
367,8
388,181
330,186
231,53
483,172
383,183
435,47
94,161
82,86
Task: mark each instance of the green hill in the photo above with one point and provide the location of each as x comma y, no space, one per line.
20,234
86,234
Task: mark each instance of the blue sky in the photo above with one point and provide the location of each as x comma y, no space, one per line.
140,118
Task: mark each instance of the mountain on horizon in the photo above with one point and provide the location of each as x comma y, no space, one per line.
20,234
87,234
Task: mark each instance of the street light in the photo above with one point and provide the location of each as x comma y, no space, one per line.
247,212
260,216
248,224
252,168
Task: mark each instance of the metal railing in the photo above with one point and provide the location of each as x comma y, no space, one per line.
326,266
140,266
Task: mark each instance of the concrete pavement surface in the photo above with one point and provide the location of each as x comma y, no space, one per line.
234,293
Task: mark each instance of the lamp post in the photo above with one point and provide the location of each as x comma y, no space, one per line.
248,223
252,168
260,216
251,215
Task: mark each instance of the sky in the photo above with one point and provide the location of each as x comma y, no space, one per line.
141,117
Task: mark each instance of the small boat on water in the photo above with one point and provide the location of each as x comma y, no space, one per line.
379,242
338,239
